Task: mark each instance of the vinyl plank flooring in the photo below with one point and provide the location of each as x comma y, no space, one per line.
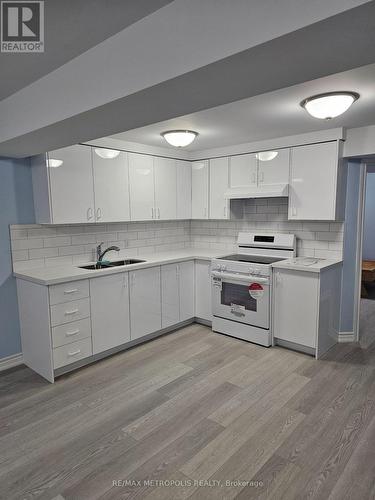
188,411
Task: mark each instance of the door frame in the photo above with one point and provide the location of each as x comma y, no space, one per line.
364,167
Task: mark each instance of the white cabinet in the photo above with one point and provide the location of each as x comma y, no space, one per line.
145,302
306,308
165,188
203,303
243,171
183,181
200,190
109,311
314,181
273,167
219,182
295,307
71,185
111,187
141,180
177,293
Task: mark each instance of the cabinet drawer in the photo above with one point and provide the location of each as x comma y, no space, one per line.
67,354
70,311
65,292
71,332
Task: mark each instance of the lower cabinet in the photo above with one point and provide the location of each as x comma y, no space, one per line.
177,293
295,307
109,311
203,303
145,302
306,308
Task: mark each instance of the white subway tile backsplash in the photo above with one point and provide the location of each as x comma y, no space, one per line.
76,243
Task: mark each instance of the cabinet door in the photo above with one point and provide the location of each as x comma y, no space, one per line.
203,305
219,180
295,307
183,173
186,287
165,188
313,182
111,187
199,204
141,182
170,295
273,167
71,185
109,311
145,302
243,170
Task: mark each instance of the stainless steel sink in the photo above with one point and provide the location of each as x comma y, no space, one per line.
107,265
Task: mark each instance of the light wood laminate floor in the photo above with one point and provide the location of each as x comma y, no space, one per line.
193,415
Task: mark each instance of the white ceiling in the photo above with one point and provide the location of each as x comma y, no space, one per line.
267,116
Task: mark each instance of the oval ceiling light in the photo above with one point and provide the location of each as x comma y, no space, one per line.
107,154
266,155
329,105
54,162
179,138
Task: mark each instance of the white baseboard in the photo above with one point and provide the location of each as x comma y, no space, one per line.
343,337
11,361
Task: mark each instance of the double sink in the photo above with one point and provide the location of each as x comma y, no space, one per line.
107,264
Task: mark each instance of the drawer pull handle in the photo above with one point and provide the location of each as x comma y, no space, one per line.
69,313
74,332
74,290
74,353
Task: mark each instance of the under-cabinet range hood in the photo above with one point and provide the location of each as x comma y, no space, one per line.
265,191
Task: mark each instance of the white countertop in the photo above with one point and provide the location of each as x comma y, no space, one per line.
308,264
70,272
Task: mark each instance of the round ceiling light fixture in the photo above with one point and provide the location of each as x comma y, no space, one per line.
266,155
329,105
107,154
179,138
54,162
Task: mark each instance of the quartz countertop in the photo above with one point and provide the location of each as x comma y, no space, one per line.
308,264
70,272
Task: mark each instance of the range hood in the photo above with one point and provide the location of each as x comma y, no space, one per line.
265,191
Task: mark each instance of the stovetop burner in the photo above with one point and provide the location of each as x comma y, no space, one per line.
251,259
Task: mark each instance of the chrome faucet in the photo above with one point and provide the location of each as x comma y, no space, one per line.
100,254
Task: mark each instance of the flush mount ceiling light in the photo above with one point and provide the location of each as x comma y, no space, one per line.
179,138
266,155
54,163
329,105
107,154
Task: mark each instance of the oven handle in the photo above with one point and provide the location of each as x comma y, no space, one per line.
242,278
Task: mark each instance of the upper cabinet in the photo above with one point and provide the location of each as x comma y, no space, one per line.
219,183
200,190
243,171
142,194
111,187
71,185
273,167
256,170
165,188
183,180
315,182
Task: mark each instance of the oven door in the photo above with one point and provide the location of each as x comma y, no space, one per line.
241,298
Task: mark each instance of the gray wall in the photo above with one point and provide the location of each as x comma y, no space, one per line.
368,249
16,207
350,248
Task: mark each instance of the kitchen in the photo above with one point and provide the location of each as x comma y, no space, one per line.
174,281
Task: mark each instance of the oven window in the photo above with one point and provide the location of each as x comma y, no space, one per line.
233,293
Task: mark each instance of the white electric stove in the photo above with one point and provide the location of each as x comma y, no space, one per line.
242,286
